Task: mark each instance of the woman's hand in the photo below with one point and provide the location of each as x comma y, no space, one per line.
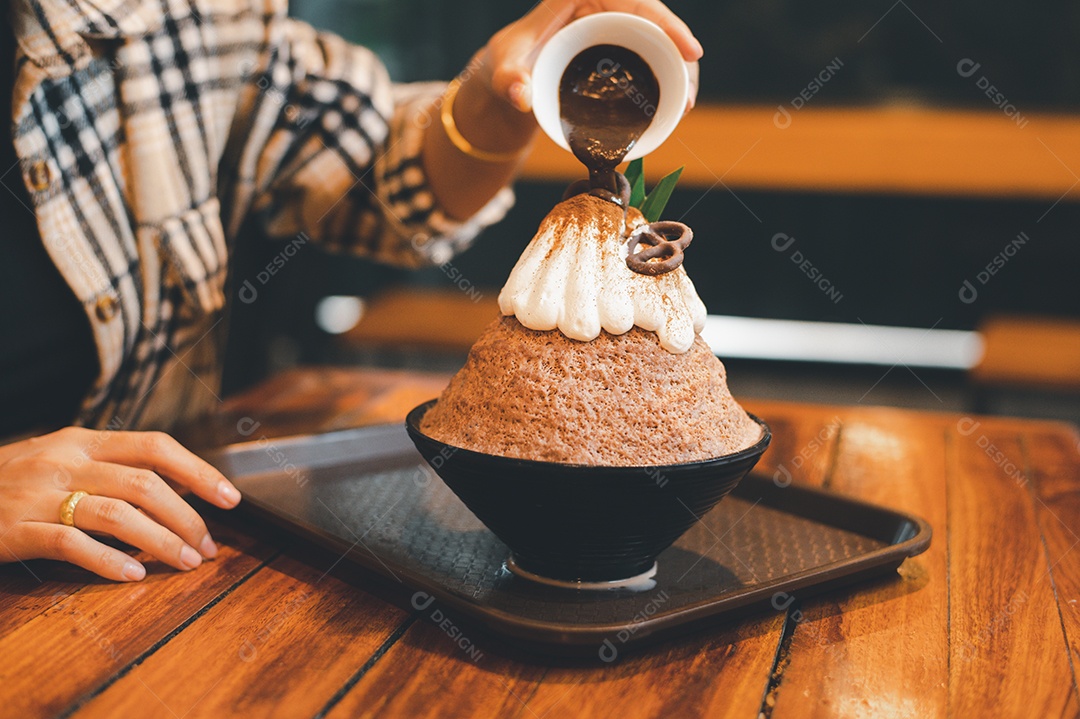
124,475
510,53
492,111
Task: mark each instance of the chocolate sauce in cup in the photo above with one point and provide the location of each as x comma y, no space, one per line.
608,96
626,35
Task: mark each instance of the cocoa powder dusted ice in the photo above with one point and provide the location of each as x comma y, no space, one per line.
619,400
573,277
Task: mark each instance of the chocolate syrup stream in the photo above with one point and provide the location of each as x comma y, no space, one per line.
603,96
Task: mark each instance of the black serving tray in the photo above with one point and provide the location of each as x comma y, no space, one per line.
367,494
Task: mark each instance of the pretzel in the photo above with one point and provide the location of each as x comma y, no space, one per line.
666,241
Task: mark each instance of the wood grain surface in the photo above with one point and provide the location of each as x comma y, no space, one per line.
887,623
986,623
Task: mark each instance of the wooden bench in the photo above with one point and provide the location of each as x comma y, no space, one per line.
1030,353
409,317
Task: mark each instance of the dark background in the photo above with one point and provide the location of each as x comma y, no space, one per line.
762,51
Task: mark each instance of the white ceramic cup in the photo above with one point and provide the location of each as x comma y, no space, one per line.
624,30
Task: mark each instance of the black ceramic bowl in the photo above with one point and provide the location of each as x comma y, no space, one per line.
581,523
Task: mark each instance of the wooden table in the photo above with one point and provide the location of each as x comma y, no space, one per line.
986,623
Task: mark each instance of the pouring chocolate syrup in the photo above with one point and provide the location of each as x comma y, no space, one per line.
607,97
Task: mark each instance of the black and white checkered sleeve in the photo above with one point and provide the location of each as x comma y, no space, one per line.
339,153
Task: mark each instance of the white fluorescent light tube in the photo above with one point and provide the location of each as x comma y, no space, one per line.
798,341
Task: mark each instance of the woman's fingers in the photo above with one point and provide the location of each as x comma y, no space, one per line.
510,55
124,474
39,540
550,15
162,454
513,49
119,519
510,76
546,17
692,99
149,492
668,21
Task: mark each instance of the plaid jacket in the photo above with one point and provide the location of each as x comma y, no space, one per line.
148,131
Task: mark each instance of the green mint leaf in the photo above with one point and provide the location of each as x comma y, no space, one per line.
635,172
654,204
637,191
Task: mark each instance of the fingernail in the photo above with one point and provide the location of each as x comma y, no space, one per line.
519,96
228,494
133,571
189,557
208,548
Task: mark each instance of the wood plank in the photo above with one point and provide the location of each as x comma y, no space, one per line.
429,675
279,646
881,649
723,672
1052,463
412,317
1007,648
1030,352
27,590
803,447
796,412
897,149
55,654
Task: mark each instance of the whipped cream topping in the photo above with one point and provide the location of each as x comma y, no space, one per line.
573,277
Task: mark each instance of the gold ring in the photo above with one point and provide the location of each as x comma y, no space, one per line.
67,507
